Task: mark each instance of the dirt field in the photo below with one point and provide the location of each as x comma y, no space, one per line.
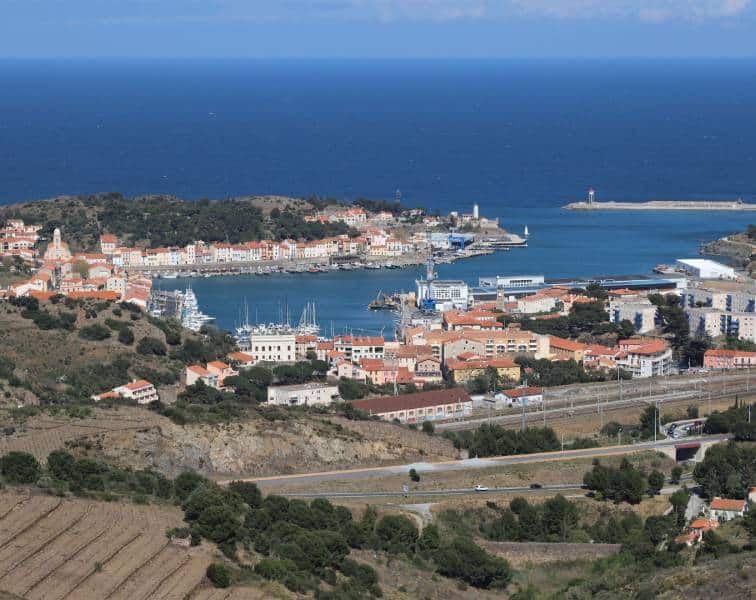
55,549
42,434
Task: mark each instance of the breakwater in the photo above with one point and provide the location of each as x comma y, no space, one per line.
702,205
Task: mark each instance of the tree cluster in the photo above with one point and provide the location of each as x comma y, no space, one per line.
727,470
623,484
494,440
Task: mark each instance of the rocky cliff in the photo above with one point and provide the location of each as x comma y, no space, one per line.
258,448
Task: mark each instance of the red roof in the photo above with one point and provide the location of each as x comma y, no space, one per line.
108,238
412,401
523,391
727,504
138,385
199,370
728,353
371,364
563,344
654,347
240,356
99,295
218,365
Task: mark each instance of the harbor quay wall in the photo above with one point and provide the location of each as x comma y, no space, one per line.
406,260
704,205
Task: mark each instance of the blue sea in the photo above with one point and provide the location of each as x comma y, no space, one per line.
521,138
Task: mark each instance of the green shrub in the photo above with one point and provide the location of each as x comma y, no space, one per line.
126,336
219,575
396,534
464,559
151,346
274,569
95,332
19,467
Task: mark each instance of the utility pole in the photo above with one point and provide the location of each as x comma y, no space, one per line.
544,408
563,431
522,422
656,416
619,436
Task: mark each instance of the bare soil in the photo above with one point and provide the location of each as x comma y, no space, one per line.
55,548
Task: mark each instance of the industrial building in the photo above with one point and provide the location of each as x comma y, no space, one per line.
703,268
305,394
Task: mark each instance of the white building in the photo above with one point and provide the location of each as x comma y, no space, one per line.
512,281
520,396
304,394
444,294
639,311
141,391
645,358
725,509
703,268
272,347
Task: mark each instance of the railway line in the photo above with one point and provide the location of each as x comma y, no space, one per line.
602,398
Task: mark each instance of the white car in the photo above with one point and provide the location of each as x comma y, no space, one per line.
481,488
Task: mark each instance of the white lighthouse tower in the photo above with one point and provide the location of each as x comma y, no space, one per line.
591,196
476,211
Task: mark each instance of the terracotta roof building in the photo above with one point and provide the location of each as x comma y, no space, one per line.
434,405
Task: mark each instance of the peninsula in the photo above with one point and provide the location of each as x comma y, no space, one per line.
702,205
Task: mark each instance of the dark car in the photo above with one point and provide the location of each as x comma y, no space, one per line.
535,486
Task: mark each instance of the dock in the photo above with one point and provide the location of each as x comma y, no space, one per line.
668,205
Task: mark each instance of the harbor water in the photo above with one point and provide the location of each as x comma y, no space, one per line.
520,138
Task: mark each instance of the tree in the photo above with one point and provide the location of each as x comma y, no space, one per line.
94,332
679,502
693,351
649,421
61,465
727,470
248,491
219,575
151,346
428,427
464,559
655,481
414,476
82,268
396,534
676,474
351,389
19,467
126,336
559,517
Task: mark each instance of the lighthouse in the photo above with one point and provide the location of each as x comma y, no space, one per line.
591,195
526,233
476,211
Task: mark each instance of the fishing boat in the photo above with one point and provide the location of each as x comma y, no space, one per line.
383,302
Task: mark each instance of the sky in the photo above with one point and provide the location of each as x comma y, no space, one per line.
377,28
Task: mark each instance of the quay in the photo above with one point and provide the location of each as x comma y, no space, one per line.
590,203
303,265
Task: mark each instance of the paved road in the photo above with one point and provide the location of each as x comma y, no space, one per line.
461,492
446,492
471,463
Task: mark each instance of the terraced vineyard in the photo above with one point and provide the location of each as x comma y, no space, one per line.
56,549
43,434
